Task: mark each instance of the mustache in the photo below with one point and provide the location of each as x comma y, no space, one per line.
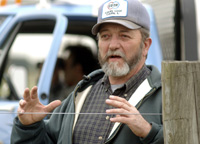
115,53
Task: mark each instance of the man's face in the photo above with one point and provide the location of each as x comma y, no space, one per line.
120,49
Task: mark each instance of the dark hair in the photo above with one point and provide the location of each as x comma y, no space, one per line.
84,56
60,63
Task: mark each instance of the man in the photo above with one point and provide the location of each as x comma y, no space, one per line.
77,61
111,106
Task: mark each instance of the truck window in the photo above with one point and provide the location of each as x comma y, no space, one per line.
26,56
27,44
22,70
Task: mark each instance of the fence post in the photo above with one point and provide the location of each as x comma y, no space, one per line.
181,102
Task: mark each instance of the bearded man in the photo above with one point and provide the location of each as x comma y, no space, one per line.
111,105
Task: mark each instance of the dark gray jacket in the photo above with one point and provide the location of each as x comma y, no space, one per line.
59,128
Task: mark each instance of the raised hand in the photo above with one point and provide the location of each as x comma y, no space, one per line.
128,114
31,104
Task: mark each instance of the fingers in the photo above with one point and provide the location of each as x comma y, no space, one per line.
117,111
27,101
20,111
26,94
117,98
123,108
119,118
118,102
34,93
129,115
50,107
30,95
22,103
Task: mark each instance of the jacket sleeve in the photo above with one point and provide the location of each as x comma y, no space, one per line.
46,131
33,134
155,136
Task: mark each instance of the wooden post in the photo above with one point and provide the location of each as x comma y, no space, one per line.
181,102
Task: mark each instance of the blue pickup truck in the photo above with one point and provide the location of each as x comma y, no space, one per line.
30,34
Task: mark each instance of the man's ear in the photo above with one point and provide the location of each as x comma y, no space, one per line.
147,44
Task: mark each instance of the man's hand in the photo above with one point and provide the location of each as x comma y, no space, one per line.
129,115
31,104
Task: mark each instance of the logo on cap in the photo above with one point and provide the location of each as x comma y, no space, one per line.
113,5
114,8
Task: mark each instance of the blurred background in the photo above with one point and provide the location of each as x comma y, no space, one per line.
37,36
175,18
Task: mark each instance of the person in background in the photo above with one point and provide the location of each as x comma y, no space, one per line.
120,104
75,62
81,61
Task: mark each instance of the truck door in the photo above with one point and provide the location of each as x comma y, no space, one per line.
19,54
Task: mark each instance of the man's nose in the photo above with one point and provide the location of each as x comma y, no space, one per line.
114,43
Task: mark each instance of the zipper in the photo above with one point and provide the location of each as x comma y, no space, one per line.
148,94
111,137
140,103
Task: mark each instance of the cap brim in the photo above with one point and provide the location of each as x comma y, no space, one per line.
125,23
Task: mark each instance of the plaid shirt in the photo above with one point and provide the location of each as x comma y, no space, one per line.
95,129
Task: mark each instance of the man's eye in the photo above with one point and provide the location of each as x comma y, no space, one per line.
104,36
125,36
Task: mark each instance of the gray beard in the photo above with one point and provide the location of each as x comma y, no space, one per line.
112,69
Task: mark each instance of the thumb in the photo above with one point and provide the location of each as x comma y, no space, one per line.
50,107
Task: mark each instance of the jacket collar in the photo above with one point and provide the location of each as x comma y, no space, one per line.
154,78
